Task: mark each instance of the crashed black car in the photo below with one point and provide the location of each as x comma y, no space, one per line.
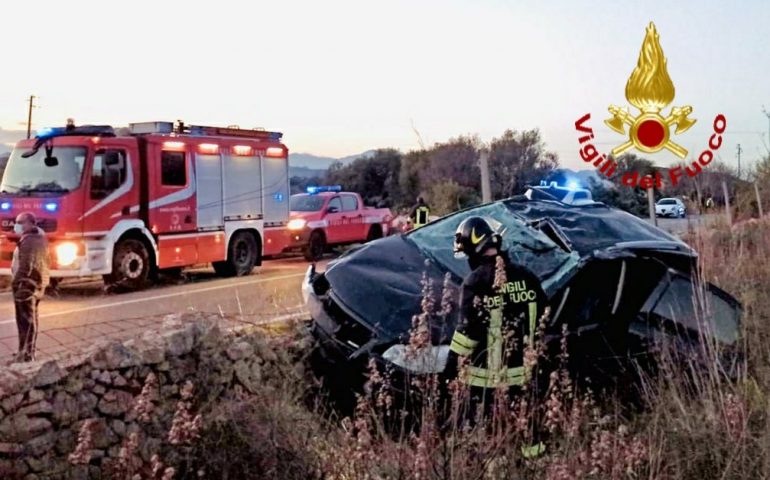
623,288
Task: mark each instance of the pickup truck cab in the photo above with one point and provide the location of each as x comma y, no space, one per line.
325,217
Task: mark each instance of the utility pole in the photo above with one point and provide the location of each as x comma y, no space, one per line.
651,206
728,212
739,160
29,115
486,188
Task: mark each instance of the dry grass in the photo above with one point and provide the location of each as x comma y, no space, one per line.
695,424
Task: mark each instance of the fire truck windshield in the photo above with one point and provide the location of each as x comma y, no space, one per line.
306,203
34,175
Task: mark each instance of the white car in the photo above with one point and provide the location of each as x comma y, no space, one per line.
670,207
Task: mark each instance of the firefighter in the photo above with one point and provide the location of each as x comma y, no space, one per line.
419,214
495,316
30,278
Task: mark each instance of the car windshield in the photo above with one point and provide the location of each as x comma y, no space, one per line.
525,245
306,203
33,175
667,201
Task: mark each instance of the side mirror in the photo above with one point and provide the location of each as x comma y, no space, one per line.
332,210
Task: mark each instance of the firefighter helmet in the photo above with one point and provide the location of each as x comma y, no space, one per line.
475,235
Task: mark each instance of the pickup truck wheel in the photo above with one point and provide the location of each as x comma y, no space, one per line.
316,246
242,255
130,266
374,233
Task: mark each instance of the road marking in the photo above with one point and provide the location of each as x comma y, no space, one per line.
159,297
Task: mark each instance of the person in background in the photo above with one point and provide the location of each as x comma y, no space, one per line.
30,279
419,214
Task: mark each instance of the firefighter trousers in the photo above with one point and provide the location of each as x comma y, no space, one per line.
26,303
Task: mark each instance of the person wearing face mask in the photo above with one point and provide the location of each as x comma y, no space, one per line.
30,278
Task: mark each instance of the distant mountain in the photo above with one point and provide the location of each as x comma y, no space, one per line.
318,162
8,138
305,172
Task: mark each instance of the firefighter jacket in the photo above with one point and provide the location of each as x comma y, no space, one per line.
494,323
30,263
419,215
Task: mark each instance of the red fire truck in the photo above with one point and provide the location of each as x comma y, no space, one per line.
126,204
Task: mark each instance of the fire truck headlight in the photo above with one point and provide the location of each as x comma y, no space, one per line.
66,253
296,224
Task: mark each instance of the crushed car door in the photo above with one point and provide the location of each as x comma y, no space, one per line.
678,307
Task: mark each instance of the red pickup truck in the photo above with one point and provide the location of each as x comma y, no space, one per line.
325,217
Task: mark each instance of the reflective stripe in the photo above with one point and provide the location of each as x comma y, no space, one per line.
481,377
532,323
495,340
462,345
421,216
533,450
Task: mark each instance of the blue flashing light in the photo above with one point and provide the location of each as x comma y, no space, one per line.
278,197
573,185
44,132
51,207
5,206
50,132
330,188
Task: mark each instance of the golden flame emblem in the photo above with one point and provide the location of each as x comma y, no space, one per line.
650,89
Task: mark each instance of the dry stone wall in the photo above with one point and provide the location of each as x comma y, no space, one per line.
43,405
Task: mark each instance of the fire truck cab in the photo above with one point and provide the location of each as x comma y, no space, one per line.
128,203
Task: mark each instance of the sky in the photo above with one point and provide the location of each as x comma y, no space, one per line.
339,77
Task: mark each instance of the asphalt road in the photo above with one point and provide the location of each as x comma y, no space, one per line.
82,311
679,226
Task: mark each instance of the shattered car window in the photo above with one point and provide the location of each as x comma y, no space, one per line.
525,246
698,311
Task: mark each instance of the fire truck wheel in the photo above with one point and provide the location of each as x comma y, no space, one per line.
241,256
316,246
130,265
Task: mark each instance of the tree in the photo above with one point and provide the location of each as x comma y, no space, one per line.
376,177
446,196
450,175
300,184
630,199
517,159
409,177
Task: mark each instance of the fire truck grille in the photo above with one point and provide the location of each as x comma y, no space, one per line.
46,224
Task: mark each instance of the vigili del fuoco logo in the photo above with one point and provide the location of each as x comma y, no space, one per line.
651,91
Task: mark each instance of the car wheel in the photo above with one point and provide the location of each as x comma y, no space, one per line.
130,266
374,233
242,255
316,246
